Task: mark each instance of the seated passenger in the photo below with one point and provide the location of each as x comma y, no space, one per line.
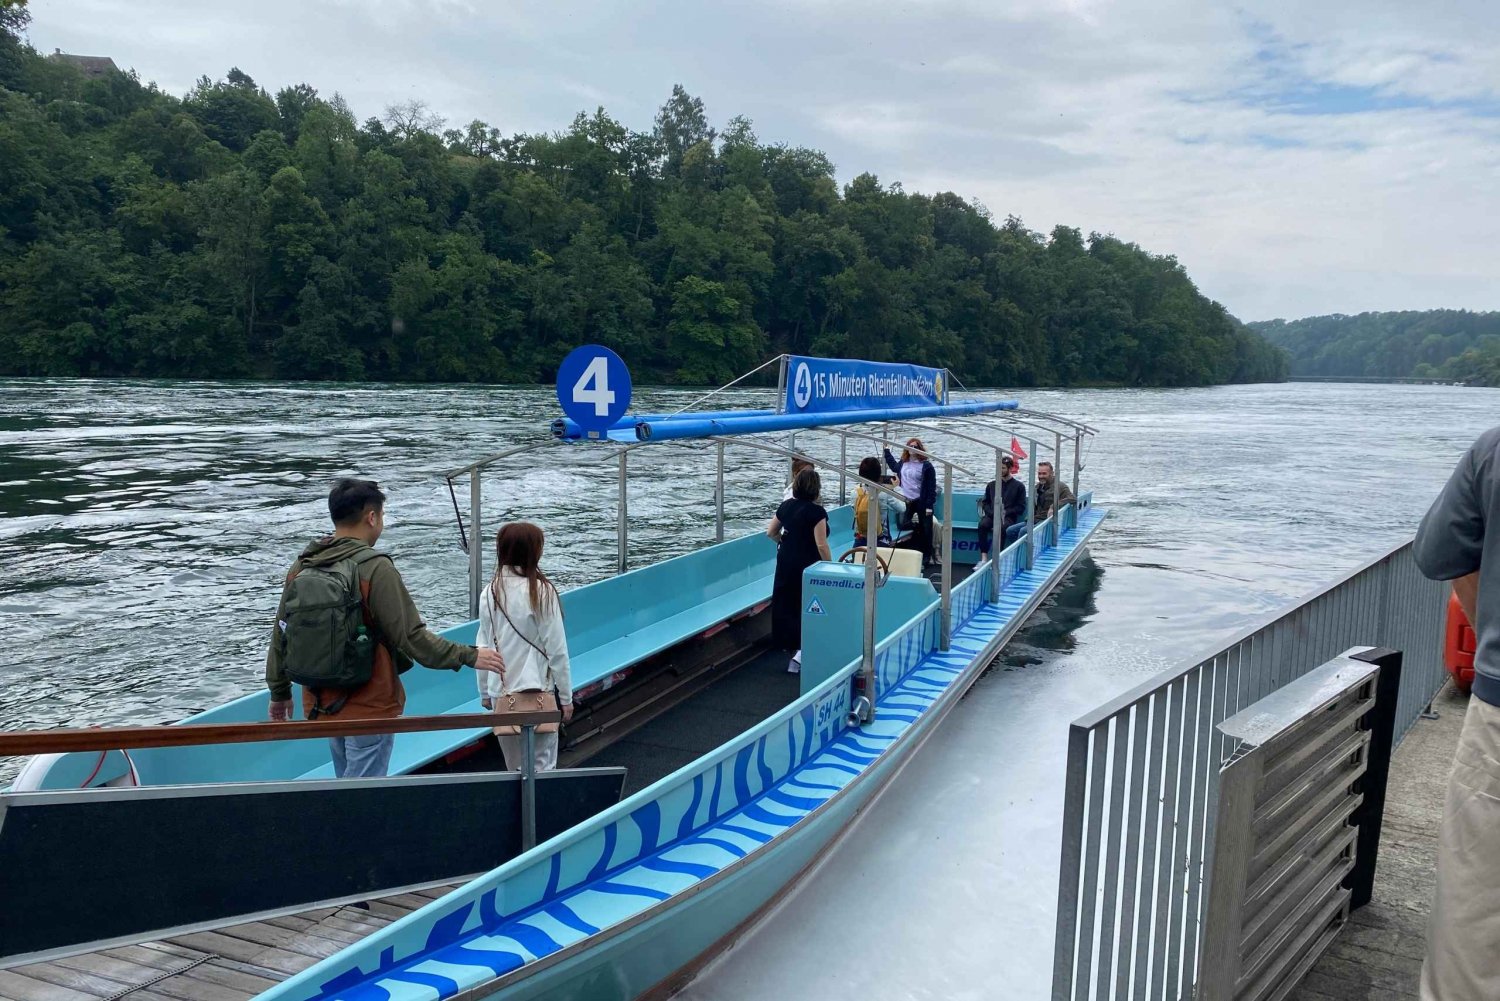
1012,503
888,510
1045,478
800,529
521,617
919,486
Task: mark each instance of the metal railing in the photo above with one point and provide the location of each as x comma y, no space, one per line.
1291,810
1136,817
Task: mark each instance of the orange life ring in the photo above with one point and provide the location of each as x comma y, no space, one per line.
1458,645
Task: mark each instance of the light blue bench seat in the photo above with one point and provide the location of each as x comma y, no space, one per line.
612,625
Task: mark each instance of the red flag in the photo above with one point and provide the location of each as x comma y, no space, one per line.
1015,447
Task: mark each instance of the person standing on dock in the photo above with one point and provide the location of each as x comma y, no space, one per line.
345,615
800,529
918,484
1453,543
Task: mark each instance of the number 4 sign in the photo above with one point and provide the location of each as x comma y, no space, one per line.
593,386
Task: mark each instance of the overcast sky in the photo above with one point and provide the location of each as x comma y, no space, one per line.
1308,157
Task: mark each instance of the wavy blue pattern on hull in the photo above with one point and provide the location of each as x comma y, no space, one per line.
624,901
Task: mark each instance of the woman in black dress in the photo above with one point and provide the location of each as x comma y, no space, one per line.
801,529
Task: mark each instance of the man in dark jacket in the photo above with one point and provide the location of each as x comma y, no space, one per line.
357,508
1012,507
1455,543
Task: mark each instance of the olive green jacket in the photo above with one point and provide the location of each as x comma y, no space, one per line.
398,624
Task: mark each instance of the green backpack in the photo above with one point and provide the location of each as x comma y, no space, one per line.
324,640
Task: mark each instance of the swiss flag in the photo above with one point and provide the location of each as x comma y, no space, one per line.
1015,447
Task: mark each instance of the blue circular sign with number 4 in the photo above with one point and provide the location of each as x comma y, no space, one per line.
593,386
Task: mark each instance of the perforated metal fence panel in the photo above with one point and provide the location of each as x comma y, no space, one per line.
1288,808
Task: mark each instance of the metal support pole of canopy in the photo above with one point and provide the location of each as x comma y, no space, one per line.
622,511
719,495
1030,502
997,518
843,470
947,587
476,546
1055,511
528,787
1077,465
872,560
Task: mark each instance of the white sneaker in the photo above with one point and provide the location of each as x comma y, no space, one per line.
794,666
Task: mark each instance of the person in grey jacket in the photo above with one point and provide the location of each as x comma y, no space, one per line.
1454,543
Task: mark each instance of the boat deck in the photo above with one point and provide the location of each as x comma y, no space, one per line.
230,964
239,962
709,718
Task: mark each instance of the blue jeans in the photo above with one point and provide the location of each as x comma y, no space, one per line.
361,757
1014,532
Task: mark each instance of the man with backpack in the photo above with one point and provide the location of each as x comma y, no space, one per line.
346,630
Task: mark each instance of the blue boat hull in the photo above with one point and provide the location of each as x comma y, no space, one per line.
633,901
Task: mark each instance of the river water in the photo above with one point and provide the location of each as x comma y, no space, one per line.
145,526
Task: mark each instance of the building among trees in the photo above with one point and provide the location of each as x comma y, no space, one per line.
92,67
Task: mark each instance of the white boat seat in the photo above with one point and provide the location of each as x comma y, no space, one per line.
902,562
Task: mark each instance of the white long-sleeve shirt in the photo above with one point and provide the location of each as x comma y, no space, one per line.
525,667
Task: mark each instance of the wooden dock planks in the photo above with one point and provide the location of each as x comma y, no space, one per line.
235,963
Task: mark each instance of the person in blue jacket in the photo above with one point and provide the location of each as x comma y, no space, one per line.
917,481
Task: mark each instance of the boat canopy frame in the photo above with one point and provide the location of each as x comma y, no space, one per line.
610,450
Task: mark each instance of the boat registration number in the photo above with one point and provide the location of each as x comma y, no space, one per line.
829,712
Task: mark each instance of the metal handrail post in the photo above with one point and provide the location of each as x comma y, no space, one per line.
622,510
843,470
872,559
1030,503
476,546
997,524
1077,463
719,495
947,587
528,787
1055,511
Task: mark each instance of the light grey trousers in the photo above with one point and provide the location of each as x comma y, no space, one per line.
1463,934
546,751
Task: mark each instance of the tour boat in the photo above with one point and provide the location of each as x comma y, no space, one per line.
585,892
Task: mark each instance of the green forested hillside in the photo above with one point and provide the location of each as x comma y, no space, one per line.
236,233
1440,343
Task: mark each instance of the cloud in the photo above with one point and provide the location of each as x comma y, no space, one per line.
1297,159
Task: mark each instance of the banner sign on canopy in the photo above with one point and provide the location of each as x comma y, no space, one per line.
825,385
593,386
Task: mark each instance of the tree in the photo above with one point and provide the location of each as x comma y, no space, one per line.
230,234
14,17
476,139
710,333
292,105
681,124
232,111
409,118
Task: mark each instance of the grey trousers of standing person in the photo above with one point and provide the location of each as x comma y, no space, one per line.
1463,934
546,751
367,757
